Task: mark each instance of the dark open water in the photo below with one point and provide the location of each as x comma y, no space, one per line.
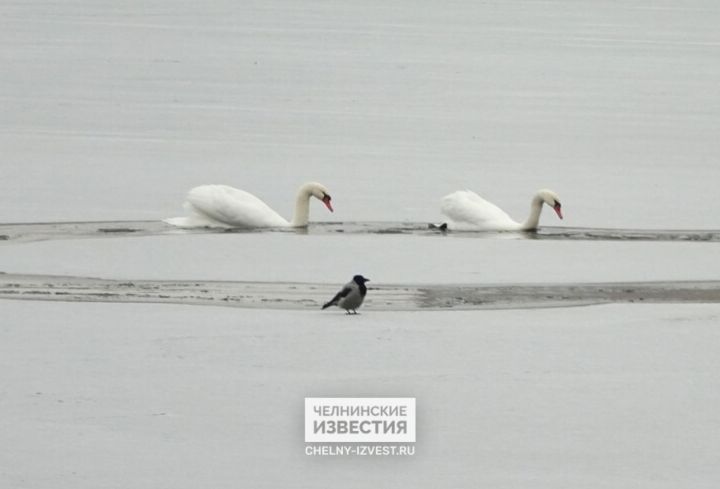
98,229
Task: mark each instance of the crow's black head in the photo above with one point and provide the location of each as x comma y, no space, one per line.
360,280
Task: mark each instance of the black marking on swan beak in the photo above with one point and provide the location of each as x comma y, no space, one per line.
326,199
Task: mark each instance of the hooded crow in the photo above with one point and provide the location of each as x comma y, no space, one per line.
351,295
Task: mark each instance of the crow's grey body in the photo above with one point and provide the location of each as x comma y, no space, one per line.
351,296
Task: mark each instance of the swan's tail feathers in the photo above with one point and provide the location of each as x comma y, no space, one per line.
180,222
195,219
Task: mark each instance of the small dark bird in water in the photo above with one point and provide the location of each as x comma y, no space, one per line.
440,227
351,296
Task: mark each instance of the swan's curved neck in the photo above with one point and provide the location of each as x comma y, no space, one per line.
302,207
531,223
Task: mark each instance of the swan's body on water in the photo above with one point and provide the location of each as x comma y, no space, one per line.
467,210
228,207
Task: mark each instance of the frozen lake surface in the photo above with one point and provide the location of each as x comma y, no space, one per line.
187,397
113,110
388,297
152,262
333,259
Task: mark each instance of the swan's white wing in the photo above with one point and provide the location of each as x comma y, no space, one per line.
232,207
468,208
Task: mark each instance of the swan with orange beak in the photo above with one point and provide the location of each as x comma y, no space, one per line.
229,207
468,211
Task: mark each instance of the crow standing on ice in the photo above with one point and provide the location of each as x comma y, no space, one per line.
351,295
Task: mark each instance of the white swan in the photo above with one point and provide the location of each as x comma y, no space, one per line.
467,210
228,207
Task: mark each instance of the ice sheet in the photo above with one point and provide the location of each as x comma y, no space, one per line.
270,257
96,395
112,110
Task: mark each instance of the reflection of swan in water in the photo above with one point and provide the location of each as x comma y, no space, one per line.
467,210
223,206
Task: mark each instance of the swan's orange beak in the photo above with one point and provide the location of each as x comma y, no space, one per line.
326,201
558,210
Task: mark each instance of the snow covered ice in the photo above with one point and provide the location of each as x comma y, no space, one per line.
112,111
